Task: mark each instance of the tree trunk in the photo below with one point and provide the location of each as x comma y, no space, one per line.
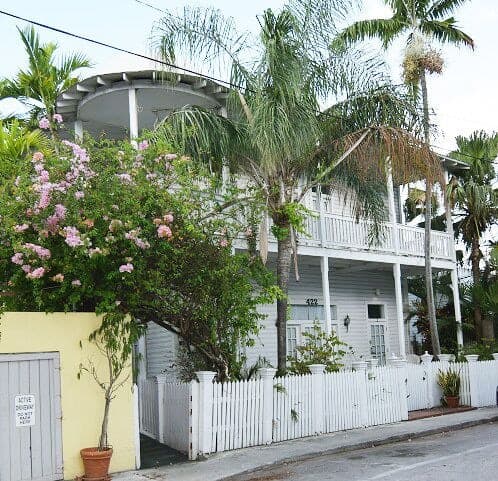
431,308
284,257
105,424
483,328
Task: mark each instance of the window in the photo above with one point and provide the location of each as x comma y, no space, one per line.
292,340
376,311
305,312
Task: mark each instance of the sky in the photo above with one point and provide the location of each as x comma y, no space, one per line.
464,98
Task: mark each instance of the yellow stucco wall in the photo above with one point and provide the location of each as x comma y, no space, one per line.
82,400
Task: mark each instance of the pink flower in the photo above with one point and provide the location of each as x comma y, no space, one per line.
125,178
43,176
37,157
58,277
40,251
79,195
144,145
44,123
73,238
164,231
126,268
170,156
36,273
26,268
76,283
168,218
45,199
223,243
17,258
21,227
57,118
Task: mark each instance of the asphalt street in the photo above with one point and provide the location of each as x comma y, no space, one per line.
465,455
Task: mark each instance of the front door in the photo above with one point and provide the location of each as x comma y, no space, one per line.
378,341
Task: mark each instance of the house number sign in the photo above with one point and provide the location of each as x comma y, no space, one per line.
25,410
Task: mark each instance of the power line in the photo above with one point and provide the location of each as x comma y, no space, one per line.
146,57
119,49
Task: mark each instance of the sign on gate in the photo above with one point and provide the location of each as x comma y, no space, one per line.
25,410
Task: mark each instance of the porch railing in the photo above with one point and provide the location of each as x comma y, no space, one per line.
335,231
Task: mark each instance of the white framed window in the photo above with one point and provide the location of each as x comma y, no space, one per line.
292,338
376,312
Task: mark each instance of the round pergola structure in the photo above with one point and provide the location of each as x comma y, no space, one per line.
122,104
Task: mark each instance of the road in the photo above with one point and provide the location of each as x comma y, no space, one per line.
466,455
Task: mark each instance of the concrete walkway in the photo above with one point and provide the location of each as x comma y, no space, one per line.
225,465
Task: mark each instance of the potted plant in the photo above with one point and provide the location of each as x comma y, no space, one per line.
449,382
114,341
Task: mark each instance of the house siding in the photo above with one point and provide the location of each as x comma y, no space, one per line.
349,291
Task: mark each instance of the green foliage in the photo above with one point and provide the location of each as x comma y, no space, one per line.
139,236
484,349
449,381
318,348
45,78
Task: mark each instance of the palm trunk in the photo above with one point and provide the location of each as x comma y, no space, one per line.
105,423
284,257
431,308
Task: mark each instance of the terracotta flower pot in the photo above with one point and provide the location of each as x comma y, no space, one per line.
96,463
452,401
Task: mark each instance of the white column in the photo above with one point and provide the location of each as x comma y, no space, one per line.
324,266
205,410
321,216
399,309
78,130
132,107
225,168
318,411
160,382
267,374
392,207
454,272
456,304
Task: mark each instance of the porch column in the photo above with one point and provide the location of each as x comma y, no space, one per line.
132,107
456,304
392,207
78,130
324,266
454,273
399,309
225,168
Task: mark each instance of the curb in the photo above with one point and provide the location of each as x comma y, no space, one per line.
363,445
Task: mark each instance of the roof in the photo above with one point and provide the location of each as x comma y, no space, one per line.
101,101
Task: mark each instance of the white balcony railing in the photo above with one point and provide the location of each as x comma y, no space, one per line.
346,233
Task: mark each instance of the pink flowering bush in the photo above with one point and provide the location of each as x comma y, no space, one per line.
134,232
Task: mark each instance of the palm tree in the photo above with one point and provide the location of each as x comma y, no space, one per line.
475,198
45,79
422,21
273,132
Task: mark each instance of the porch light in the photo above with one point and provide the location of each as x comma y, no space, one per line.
347,321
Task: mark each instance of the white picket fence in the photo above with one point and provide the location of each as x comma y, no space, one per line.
204,416
422,388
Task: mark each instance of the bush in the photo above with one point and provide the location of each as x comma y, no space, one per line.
318,348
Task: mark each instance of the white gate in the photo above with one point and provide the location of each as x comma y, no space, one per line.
30,417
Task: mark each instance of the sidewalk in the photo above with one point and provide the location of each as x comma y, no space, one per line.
223,465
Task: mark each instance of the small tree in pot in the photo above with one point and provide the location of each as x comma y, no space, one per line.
114,339
449,382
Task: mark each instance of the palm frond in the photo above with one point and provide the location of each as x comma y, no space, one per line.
385,29
441,8
445,31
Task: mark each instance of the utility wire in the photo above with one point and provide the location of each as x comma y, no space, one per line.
119,49
146,57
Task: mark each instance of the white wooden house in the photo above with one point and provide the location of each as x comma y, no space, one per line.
353,288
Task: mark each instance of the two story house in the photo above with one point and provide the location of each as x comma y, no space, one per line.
351,287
